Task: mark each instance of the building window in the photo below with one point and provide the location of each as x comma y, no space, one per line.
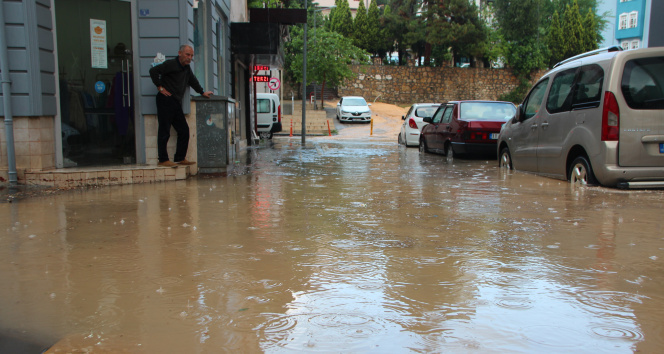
623,21
633,19
635,44
625,45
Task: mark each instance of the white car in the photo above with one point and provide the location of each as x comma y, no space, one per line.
413,122
353,109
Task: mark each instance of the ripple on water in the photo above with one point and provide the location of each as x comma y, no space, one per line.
617,332
553,336
609,301
514,303
334,332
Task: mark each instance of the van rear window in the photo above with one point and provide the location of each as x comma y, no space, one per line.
263,106
643,83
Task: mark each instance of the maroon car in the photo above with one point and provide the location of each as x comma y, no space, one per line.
465,127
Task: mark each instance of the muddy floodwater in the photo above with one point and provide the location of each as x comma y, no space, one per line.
343,247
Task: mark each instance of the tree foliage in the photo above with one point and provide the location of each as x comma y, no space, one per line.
341,20
572,34
361,38
328,59
457,25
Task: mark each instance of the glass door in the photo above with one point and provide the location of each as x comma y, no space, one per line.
94,44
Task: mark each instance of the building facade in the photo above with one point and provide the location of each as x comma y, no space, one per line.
632,24
80,92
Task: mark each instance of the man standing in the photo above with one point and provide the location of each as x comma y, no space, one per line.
172,78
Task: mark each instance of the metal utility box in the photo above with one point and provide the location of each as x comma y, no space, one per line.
213,134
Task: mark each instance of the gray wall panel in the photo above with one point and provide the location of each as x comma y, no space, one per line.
151,46
147,87
49,103
13,12
45,39
20,106
47,61
20,82
158,8
159,27
44,18
148,105
15,36
48,83
18,59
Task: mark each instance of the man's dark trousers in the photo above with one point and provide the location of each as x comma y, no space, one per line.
169,113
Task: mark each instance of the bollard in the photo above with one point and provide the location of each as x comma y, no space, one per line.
371,132
329,132
291,128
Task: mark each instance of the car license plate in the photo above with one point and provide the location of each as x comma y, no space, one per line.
494,136
661,148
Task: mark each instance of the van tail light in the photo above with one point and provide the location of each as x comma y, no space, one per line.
279,113
610,117
412,124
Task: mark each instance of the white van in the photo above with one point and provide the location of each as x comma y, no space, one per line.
268,109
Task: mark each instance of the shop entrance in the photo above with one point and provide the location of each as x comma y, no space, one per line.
94,42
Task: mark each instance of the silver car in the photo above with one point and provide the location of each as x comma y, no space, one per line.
353,109
594,118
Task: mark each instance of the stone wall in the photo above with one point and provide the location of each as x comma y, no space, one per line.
409,84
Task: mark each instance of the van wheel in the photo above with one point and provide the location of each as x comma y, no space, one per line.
423,146
505,159
581,173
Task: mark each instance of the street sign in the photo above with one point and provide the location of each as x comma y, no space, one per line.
261,78
274,84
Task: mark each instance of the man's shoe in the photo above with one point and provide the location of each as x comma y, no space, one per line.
185,162
167,164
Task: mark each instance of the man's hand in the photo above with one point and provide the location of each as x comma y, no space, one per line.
207,94
163,91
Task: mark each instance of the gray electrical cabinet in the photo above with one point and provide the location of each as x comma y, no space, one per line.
213,133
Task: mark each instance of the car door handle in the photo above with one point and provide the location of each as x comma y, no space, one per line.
545,124
534,126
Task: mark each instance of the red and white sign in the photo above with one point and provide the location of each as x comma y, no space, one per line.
274,84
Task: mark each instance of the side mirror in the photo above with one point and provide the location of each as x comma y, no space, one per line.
519,113
403,117
369,104
427,120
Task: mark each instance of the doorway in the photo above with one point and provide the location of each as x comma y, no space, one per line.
94,42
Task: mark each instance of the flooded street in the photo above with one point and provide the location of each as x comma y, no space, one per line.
343,246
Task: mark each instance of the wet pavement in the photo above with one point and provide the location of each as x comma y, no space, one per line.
342,246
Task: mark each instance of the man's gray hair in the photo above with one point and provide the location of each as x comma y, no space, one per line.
185,46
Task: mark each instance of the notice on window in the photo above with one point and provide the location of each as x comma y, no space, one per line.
98,44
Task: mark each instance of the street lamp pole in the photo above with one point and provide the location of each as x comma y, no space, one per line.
304,83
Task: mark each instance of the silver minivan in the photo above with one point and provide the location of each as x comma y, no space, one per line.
594,118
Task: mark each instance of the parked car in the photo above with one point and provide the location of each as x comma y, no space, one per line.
596,117
268,114
413,122
353,109
465,127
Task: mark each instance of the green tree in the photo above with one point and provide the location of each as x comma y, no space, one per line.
360,36
404,27
556,40
457,25
327,61
341,20
522,25
574,31
374,30
590,38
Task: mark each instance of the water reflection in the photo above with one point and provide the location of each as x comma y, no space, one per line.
339,247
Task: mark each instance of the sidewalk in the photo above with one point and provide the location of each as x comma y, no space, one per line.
316,120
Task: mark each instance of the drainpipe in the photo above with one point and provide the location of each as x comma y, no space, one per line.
6,100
